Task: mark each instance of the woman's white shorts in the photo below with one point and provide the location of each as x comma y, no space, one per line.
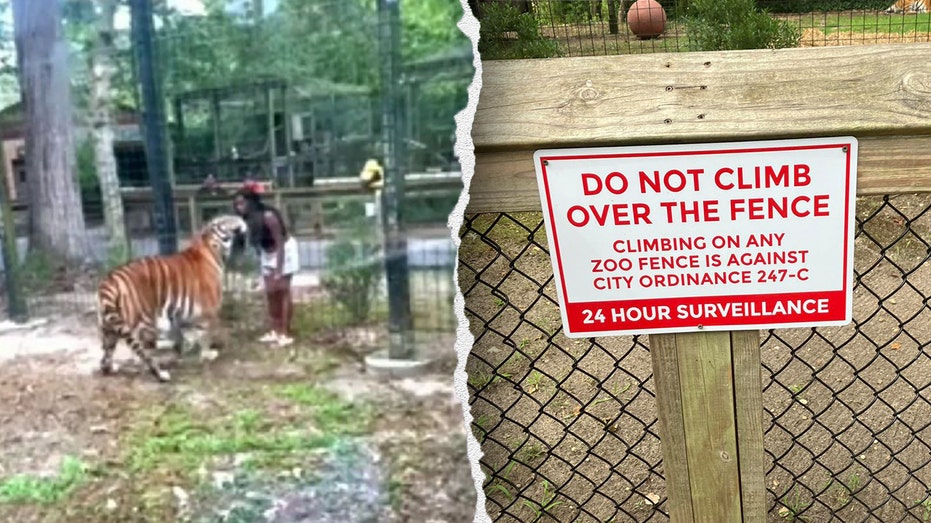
292,262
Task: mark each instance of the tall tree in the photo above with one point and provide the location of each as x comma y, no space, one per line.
102,67
56,220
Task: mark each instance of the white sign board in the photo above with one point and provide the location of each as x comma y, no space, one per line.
681,238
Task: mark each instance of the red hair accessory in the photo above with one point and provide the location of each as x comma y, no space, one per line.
253,186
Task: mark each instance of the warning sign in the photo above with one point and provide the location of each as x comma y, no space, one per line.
681,238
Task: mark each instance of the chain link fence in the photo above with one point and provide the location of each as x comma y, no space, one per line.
568,428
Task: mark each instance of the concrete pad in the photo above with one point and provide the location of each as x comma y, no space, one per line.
379,364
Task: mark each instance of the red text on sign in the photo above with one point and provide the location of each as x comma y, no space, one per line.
784,207
695,211
613,214
762,177
672,180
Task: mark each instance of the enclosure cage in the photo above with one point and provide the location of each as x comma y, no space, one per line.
435,89
272,130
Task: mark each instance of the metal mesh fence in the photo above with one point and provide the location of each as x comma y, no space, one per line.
568,428
289,97
553,28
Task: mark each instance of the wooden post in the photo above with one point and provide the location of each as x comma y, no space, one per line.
195,213
709,401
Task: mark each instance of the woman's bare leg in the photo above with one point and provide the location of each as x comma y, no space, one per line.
273,305
287,306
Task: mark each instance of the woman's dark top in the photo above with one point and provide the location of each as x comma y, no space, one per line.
259,232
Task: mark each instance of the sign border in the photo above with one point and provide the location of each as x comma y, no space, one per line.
753,146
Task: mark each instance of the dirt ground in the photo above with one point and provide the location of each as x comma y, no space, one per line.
292,435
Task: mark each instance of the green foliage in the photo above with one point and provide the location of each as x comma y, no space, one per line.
36,271
79,22
353,272
500,21
26,488
302,42
722,25
429,26
566,11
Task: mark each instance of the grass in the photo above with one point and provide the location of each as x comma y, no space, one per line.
179,440
792,506
546,504
926,505
258,431
867,22
27,488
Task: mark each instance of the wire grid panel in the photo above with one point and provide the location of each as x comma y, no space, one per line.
568,427
552,28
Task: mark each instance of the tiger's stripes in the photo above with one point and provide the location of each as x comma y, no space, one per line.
909,6
140,298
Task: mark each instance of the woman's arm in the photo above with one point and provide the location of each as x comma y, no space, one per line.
274,226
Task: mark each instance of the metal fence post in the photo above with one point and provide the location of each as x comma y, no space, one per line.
400,323
153,128
16,303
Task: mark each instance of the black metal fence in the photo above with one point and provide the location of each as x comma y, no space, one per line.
553,28
568,427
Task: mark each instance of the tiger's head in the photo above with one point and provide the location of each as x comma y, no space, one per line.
223,233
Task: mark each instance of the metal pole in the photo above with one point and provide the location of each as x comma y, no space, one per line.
400,324
153,127
16,307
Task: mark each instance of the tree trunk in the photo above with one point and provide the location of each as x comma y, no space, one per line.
56,220
118,248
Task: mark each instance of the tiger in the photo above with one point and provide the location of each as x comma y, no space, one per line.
909,6
141,298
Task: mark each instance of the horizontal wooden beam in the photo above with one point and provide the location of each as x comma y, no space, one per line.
881,94
506,181
695,97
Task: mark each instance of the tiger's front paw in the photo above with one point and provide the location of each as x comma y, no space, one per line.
208,355
164,376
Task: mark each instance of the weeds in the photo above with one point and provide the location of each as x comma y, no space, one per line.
183,440
546,504
792,508
25,488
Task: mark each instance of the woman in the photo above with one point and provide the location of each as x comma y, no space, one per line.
279,261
